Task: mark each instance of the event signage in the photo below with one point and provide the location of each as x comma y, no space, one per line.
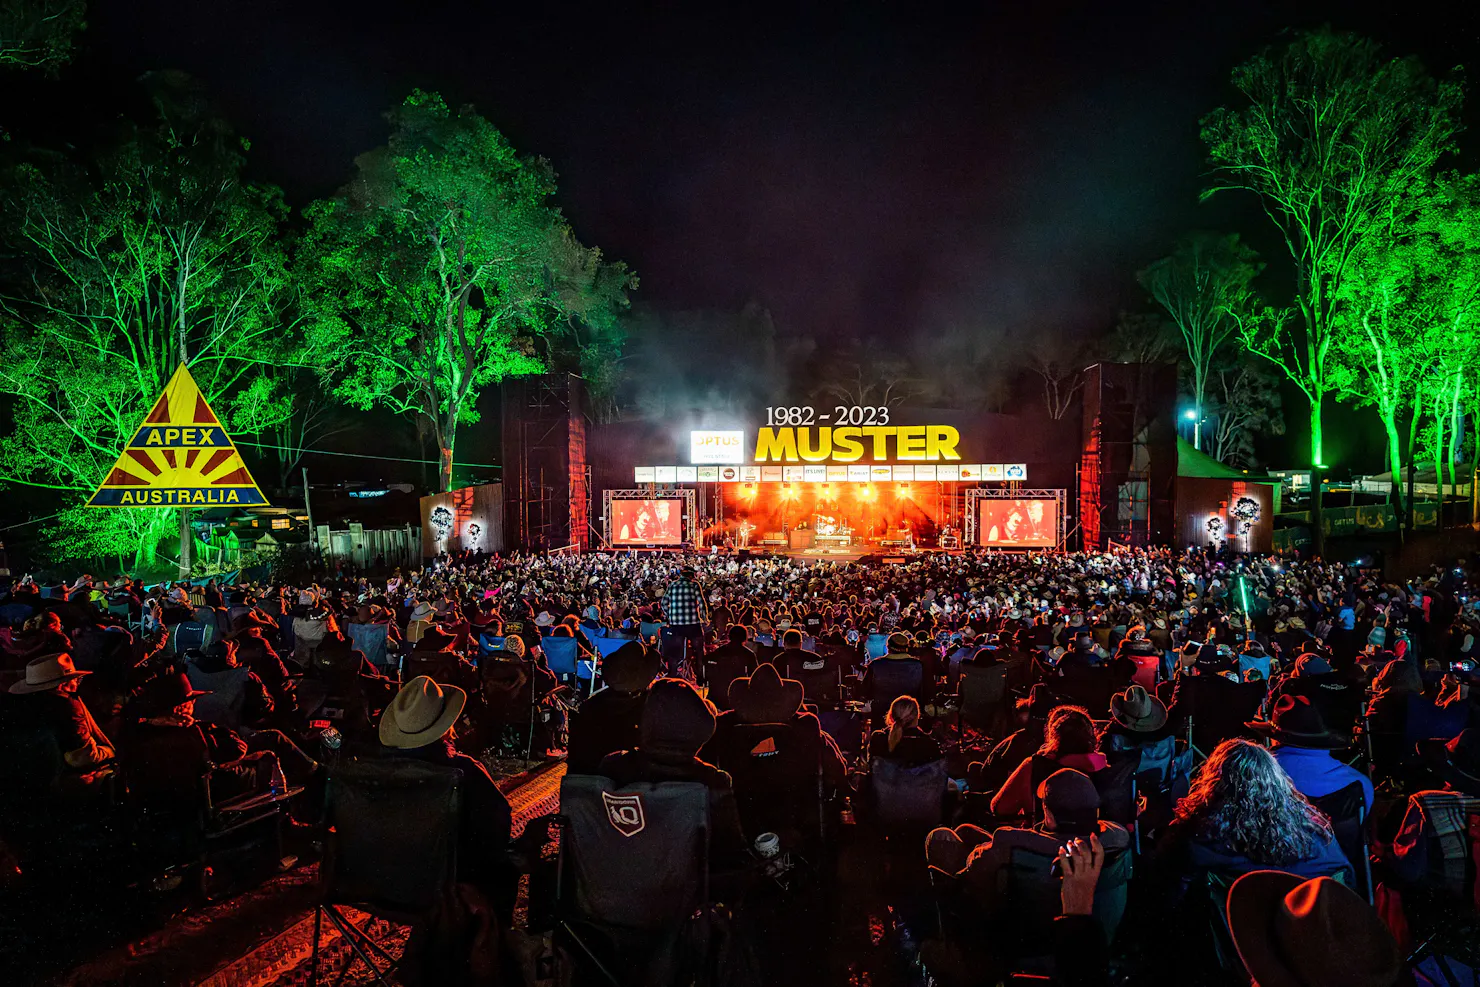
718,447
850,444
179,457
835,473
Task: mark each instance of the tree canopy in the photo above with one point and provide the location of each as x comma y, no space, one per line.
119,268
443,267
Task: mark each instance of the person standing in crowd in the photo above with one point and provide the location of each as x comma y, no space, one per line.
686,613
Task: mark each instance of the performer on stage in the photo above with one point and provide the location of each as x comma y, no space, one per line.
745,528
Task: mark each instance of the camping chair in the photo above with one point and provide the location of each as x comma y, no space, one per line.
174,797
875,646
776,771
907,799
632,871
489,643
372,641
983,692
1031,895
1116,783
1347,810
390,850
563,655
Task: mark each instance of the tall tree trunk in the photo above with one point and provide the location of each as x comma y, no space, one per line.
446,438
1317,529
1413,420
1395,460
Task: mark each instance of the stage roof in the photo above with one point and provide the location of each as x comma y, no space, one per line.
1192,463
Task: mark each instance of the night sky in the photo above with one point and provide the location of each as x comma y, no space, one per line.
861,169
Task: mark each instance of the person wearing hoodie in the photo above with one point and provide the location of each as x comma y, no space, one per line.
676,723
611,720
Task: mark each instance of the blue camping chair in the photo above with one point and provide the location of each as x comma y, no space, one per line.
563,656
489,643
876,646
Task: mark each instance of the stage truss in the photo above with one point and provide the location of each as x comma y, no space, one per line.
690,508
1009,493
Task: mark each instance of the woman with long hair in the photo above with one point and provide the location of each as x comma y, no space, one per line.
902,739
1243,814
1069,741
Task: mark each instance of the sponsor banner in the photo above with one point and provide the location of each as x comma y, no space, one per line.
688,474
948,473
666,474
710,474
905,473
793,474
718,447
644,474
815,474
925,472
857,474
770,474
837,474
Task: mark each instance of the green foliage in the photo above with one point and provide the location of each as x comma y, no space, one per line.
443,268
116,269
38,34
1331,136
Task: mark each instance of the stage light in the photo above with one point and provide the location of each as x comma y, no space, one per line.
867,492
1190,415
903,491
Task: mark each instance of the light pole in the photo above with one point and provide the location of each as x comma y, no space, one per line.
1194,415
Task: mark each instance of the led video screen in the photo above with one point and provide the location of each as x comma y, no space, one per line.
1018,523
647,522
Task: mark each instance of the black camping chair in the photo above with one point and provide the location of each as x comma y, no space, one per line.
390,850
1090,686
632,871
1032,899
890,678
776,772
1219,710
1116,783
1347,810
907,799
983,693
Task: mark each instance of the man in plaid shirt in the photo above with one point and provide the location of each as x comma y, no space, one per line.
685,615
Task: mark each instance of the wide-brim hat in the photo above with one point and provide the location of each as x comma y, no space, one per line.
631,668
1291,932
1296,722
422,712
244,622
1159,623
168,691
422,611
765,697
435,638
47,672
1138,711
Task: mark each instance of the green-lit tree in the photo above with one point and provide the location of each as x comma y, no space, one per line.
443,267
116,270
38,34
1331,136
1204,285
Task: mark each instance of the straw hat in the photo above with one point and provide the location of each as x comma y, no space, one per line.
423,611
47,672
421,713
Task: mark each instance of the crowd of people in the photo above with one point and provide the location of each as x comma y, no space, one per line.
1226,759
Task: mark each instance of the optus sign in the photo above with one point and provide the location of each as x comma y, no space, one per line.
717,447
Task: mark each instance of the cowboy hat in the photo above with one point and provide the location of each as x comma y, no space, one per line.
1138,711
1295,722
630,668
1159,623
423,611
47,672
1295,933
168,691
422,712
435,638
765,697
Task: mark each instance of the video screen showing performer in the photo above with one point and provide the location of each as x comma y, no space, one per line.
1019,523
647,522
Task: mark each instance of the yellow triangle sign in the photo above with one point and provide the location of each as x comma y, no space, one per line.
179,457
